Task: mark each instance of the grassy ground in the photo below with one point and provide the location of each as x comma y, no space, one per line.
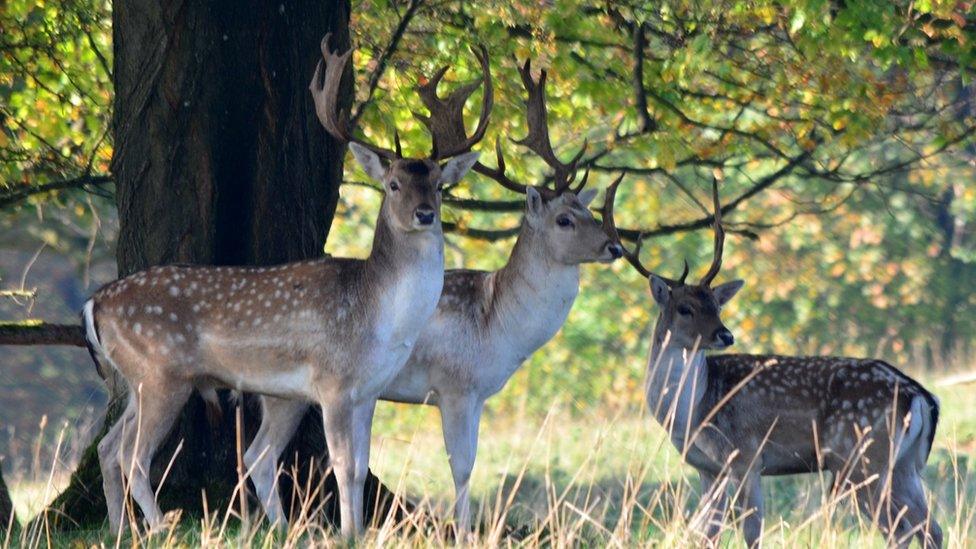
581,478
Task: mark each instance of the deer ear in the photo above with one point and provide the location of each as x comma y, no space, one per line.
586,196
533,204
454,170
369,160
660,290
725,292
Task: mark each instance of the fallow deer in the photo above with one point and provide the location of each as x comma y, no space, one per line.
736,418
486,323
333,331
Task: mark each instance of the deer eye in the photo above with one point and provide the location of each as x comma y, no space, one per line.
684,310
564,221
394,186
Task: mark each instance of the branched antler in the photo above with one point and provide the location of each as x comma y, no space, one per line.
632,256
610,226
446,119
325,93
716,265
537,141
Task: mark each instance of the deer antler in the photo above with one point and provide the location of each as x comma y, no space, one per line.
632,256
446,120
538,142
719,239
325,93
610,227
538,139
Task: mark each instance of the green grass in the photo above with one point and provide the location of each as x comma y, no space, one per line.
576,477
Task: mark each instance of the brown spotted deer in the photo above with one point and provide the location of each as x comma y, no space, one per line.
486,323
736,418
333,331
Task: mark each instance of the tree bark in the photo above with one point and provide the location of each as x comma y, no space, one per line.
7,517
219,159
41,333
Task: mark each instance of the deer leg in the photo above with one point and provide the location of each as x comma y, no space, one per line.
878,500
714,501
459,421
868,497
930,535
908,499
362,429
749,504
878,505
339,422
111,465
279,420
158,409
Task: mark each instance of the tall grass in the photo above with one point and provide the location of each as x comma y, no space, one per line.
567,478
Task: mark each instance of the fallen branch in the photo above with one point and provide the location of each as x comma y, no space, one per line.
14,294
958,379
38,332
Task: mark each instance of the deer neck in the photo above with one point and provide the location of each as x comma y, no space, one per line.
532,293
404,275
676,381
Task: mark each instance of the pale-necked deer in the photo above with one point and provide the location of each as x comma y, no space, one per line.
486,323
334,331
736,418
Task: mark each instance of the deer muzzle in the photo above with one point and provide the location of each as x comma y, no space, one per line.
723,338
424,215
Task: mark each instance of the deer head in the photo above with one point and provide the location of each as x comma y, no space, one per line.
412,186
559,214
690,312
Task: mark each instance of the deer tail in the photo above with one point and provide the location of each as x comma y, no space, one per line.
94,344
916,444
928,409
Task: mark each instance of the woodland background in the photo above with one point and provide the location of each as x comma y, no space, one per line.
843,133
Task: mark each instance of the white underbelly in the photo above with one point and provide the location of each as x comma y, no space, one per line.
411,385
385,362
293,382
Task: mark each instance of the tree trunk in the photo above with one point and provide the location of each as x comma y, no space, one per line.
219,159
6,507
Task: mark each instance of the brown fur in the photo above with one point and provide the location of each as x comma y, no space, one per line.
330,330
741,417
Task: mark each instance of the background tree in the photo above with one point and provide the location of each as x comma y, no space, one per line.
218,159
843,133
6,506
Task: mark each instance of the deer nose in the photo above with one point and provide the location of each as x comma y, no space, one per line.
725,336
424,214
616,250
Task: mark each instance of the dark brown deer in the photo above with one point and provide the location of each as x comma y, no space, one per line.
333,331
486,323
736,418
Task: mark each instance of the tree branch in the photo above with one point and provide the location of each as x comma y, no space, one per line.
488,235
647,124
21,193
36,332
473,204
384,58
14,294
707,221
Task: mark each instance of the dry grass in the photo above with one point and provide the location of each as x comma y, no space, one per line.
569,479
